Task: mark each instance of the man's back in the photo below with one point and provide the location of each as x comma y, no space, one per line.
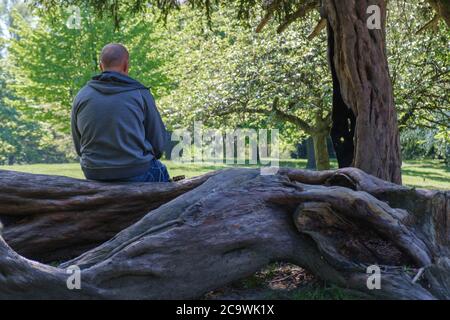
116,127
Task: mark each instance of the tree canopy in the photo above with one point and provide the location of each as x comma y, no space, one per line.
212,68
284,11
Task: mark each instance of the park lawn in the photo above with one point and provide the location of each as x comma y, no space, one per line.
428,174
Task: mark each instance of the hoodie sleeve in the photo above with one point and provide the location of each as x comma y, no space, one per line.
155,131
76,136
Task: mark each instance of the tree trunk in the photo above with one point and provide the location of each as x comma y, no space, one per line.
11,160
32,211
320,135
360,65
343,118
321,151
442,8
311,164
333,223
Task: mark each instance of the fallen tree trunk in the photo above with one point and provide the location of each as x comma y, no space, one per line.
51,218
333,223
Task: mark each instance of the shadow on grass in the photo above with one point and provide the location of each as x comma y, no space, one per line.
425,175
428,164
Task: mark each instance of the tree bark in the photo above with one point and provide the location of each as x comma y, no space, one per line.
333,223
50,218
321,151
311,164
442,8
320,134
343,118
361,69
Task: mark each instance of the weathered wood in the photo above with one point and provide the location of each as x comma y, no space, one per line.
50,218
333,223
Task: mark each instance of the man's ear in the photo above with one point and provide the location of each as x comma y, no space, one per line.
101,67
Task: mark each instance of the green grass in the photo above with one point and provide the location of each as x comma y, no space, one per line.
429,174
175,168
324,292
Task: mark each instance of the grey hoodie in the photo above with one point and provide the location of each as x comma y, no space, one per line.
116,128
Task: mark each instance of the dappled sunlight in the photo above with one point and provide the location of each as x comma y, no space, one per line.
430,174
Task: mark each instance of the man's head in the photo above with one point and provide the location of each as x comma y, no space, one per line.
115,57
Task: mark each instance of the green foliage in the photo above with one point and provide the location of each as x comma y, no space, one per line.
21,140
420,69
51,62
46,65
120,10
229,77
216,69
423,143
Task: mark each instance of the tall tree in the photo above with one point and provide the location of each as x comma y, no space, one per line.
363,85
419,59
48,71
228,77
21,140
365,121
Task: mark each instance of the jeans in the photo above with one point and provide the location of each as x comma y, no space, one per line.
157,173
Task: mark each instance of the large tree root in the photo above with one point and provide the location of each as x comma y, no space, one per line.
333,223
51,218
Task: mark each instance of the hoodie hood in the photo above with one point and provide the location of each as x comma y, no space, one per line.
111,82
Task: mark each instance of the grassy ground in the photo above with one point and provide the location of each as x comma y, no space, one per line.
278,280
427,174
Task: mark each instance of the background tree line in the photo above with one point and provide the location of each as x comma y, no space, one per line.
217,72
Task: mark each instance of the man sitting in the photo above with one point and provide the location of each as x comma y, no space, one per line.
117,130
